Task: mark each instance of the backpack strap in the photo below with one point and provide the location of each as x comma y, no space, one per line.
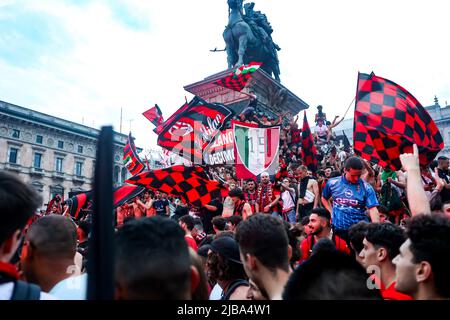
233,286
26,291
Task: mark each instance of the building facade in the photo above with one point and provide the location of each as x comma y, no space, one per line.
55,156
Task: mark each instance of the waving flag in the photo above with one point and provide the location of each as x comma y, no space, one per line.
121,195
191,183
309,151
192,128
154,115
77,202
388,121
131,159
256,149
238,80
124,193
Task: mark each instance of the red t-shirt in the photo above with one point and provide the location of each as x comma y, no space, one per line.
191,243
306,247
391,294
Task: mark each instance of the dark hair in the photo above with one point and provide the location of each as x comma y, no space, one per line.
264,237
152,259
188,220
356,235
219,222
53,236
220,268
386,235
305,220
201,291
323,244
430,241
354,163
329,275
292,233
383,209
234,220
236,192
322,212
18,203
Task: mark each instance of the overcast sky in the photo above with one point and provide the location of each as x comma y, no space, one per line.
83,60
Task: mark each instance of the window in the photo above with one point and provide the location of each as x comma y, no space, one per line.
59,164
37,160
61,144
80,149
54,190
79,168
39,139
13,153
16,133
116,174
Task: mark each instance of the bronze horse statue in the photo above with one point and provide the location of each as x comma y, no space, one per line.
247,41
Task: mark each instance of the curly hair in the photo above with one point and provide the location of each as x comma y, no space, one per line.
220,268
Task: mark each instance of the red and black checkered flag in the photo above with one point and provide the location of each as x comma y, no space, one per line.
191,183
238,80
192,128
388,121
309,151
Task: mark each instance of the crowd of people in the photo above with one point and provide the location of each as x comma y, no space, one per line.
349,230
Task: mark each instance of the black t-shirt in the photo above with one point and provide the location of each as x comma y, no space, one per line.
160,207
179,212
445,193
208,215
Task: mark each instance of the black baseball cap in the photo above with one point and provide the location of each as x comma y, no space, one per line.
226,247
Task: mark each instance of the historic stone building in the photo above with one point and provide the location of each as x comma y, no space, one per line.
52,154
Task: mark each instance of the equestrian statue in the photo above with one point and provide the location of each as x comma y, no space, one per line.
248,37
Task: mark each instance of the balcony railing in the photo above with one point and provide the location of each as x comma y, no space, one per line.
58,175
37,171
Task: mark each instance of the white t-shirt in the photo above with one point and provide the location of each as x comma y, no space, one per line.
6,291
322,130
216,293
288,203
72,288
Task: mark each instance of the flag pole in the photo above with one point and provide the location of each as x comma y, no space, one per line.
101,248
349,107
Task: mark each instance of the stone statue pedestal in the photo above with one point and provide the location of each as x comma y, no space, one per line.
273,97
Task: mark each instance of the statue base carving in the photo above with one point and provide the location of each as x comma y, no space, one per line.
273,97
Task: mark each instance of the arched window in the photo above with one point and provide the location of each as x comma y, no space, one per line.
116,174
124,174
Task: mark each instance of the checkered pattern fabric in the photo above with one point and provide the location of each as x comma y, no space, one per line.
238,80
388,121
309,151
131,159
192,128
191,183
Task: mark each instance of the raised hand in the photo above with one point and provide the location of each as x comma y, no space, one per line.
410,161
